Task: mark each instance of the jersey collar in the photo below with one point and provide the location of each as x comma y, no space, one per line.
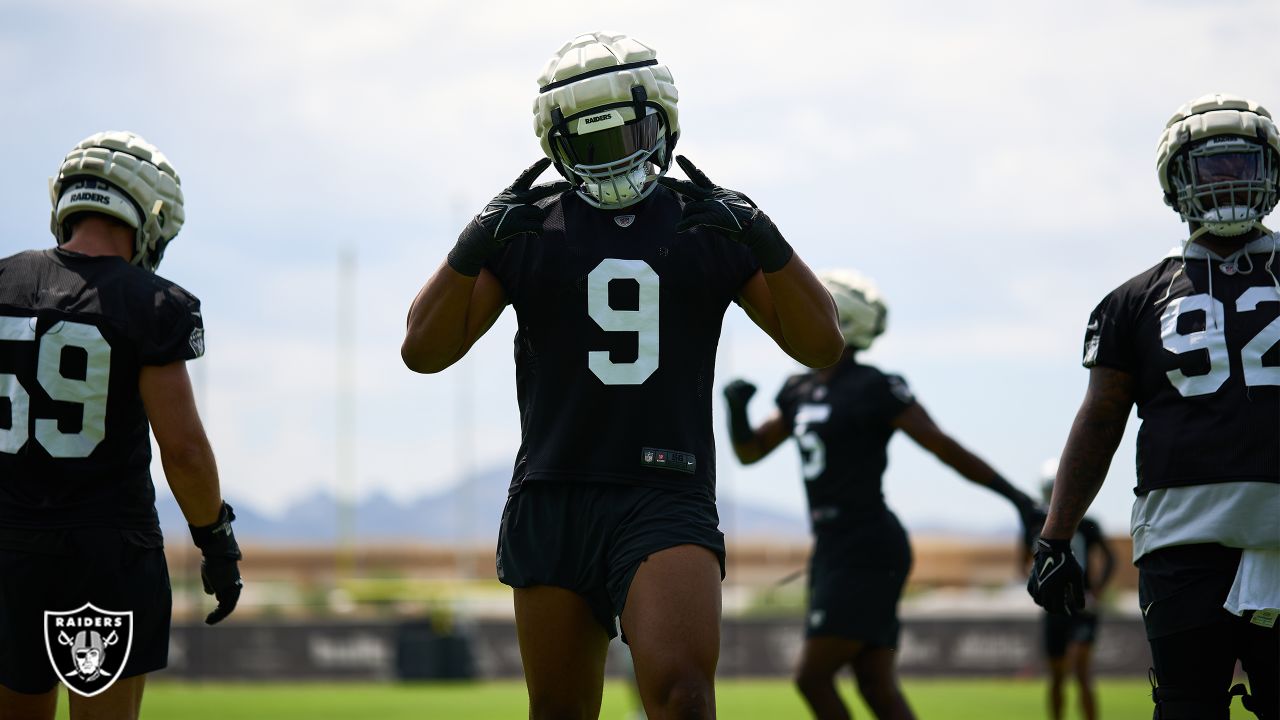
1265,244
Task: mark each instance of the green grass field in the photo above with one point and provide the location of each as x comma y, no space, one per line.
772,699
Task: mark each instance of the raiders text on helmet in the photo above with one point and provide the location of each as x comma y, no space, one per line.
859,306
1219,163
121,175
606,116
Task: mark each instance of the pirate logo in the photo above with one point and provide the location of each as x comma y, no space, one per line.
88,647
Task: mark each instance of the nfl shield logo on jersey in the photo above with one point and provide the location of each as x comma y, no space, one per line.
88,647
624,221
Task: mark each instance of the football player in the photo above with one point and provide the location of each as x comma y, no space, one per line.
1192,341
93,349
842,418
620,278
1068,640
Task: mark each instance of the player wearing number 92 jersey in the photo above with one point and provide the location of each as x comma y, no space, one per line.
620,277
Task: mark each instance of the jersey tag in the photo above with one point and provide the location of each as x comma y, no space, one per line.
668,460
1265,618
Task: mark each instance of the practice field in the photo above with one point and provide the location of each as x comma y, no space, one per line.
771,699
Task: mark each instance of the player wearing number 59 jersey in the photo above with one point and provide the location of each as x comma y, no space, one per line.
1193,342
620,278
93,346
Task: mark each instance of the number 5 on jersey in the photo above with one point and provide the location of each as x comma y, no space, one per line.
643,321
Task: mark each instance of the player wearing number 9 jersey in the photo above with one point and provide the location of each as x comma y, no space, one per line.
93,346
1193,342
620,278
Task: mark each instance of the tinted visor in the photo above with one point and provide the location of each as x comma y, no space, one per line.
1228,167
613,144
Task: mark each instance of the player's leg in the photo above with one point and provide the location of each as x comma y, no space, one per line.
28,706
562,647
1081,654
821,659
672,622
877,677
1260,658
1057,679
1056,628
121,701
1193,671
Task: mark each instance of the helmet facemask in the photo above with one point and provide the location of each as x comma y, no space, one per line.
615,153
1227,184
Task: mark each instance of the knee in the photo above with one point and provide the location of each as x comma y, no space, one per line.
880,691
811,682
1189,703
685,695
552,706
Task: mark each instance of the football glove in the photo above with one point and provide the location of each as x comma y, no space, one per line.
731,212
509,214
737,394
1056,582
219,569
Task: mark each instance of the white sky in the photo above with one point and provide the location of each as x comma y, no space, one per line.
989,163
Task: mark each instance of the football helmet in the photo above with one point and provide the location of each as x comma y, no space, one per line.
1219,163
606,116
121,175
860,308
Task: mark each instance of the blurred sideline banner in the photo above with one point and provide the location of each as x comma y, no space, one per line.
271,651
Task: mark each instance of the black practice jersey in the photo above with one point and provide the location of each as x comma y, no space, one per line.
842,427
1207,367
75,331
619,319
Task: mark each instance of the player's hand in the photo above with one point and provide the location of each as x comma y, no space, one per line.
1056,582
219,567
738,393
511,213
729,211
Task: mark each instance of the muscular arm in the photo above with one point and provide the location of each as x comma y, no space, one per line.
764,440
184,449
797,312
917,423
1095,434
449,314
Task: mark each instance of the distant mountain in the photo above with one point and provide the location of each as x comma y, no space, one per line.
467,512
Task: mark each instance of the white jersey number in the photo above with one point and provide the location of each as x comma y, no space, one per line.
90,393
1213,339
643,321
813,452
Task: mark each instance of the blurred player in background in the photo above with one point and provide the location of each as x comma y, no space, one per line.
620,278
1068,640
842,418
93,347
1193,342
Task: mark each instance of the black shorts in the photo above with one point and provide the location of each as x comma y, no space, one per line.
115,570
591,537
1062,630
1195,642
856,576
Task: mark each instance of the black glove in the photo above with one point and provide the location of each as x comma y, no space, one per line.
738,393
219,569
1056,582
509,214
731,212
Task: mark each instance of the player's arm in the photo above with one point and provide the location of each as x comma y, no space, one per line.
751,444
796,311
185,453
1093,440
449,314
784,298
1097,544
917,423
462,299
192,474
